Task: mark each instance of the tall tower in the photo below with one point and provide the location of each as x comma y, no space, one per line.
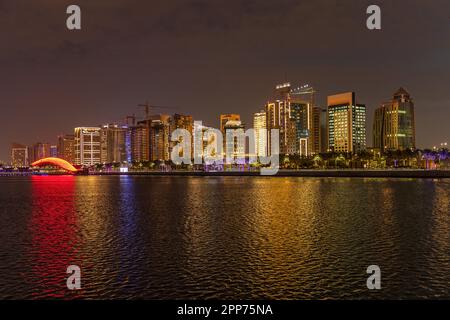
66,147
19,155
87,146
394,123
346,123
113,143
259,125
292,114
224,118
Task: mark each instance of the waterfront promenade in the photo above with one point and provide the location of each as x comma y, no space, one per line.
350,173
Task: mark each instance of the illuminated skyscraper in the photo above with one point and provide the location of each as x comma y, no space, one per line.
260,127
39,151
301,115
318,132
159,140
293,117
19,155
113,143
224,118
66,147
394,123
158,129
139,143
53,151
179,121
346,123
234,147
277,116
87,146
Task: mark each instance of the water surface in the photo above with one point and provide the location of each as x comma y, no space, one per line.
223,237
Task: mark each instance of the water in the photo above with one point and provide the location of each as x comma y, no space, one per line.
224,237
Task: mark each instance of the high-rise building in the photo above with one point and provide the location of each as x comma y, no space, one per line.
179,121
318,131
323,131
158,127
293,117
53,151
159,140
19,155
87,146
40,151
66,147
301,114
203,141
234,147
277,116
394,123
260,127
224,118
139,143
346,123
113,143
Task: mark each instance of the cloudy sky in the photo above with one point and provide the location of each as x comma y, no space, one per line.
206,57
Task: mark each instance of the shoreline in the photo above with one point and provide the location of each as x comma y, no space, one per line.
330,173
430,174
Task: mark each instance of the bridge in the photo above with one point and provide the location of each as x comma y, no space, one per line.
56,162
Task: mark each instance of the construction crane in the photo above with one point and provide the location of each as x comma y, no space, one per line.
148,107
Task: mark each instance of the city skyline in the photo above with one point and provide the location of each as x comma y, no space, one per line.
305,129
54,79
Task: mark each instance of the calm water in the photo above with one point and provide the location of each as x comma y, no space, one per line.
224,237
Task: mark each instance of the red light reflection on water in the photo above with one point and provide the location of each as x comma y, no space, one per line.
53,228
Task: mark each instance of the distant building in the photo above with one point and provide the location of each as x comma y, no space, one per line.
158,130
113,143
39,151
301,114
224,118
87,146
318,130
292,115
179,121
199,148
323,131
234,147
53,151
139,143
66,147
159,140
346,123
19,155
259,124
394,123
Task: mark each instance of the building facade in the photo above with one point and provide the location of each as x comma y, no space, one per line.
292,115
66,147
179,121
139,143
19,155
87,146
260,127
224,118
394,123
234,147
38,151
113,143
346,123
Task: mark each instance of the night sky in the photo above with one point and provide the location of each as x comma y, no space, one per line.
207,57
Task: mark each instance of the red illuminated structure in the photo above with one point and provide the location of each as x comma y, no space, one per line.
61,163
